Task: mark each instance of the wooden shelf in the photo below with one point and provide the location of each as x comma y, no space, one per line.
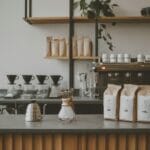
75,58
123,67
61,20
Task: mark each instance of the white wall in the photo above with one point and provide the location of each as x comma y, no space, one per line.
23,46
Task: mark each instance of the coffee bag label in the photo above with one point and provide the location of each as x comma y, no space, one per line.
143,108
110,106
126,108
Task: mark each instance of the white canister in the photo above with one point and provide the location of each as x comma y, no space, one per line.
120,58
140,58
62,47
87,47
127,58
105,58
80,47
113,58
55,47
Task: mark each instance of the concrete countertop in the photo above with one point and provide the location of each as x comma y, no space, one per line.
77,100
82,124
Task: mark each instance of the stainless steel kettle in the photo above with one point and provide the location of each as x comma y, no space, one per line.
33,112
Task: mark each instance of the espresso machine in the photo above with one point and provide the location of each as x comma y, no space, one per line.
29,90
12,91
55,87
42,88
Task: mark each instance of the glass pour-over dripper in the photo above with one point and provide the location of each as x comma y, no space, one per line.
55,88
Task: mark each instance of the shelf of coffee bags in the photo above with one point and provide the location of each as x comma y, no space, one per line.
123,67
75,58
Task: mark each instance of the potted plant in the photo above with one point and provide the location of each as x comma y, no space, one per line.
94,9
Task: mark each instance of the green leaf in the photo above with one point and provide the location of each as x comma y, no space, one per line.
76,4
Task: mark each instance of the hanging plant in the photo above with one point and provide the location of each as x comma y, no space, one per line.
94,9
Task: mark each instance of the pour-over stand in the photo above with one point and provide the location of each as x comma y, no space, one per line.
42,88
28,89
55,88
12,90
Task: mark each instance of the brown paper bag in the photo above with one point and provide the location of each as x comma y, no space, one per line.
62,47
128,103
48,49
87,47
143,104
55,47
111,102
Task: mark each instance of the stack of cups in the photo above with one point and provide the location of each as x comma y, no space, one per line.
127,58
113,58
120,58
105,58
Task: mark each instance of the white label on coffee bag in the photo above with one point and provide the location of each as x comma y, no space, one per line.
126,108
109,107
143,108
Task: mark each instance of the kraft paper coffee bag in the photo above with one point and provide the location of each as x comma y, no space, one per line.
128,103
143,104
111,102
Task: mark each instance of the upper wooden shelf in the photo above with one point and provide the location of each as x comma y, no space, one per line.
123,67
60,20
75,58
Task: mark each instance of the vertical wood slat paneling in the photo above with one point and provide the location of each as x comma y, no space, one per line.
132,143
58,139
142,142
17,142
74,142
27,142
70,142
92,142
122,143
148,142
101,142
37,142
112,142
82,142
8,142
47,142
1,142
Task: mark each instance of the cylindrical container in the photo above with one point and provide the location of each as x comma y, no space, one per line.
80,47
62,47
87,47
140,58
120,58
113,58
127,58
55,47
105,58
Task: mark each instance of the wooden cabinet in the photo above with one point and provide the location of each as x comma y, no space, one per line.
75,141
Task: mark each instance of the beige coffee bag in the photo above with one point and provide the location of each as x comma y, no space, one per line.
48,48
87,47
143,104
111,102
62,47
55,47
128,103
80,47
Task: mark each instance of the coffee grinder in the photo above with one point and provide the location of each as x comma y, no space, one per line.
42,88
12,89
55,88
28,89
